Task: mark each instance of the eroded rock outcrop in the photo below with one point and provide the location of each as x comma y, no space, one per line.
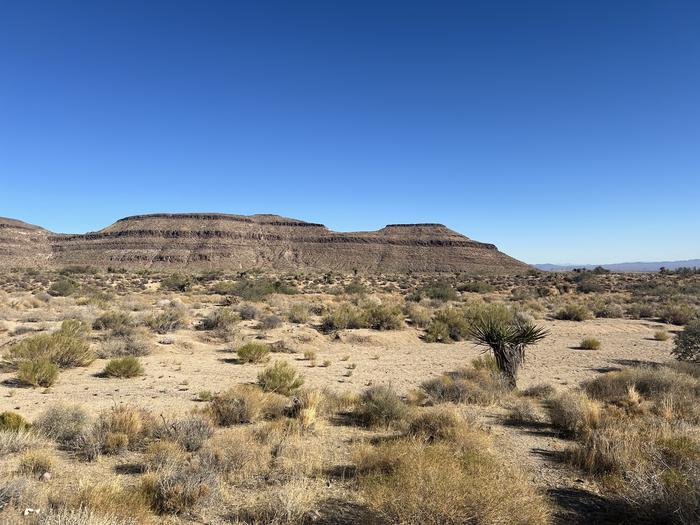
212,240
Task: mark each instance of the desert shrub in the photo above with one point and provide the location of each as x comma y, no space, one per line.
523,410
80,516
381,406
179,489
13,421
383,317
678,314
687,343
342,317
298,313
661,335
163,454
574,413
35,462
253,353
75,328
248,312
419,316
486,362
135,344
172,318
439,290
411,481
61,348
270,322
448,324
641,310
355,288
476,287
589,343
12,441
240,404
258,289
117,321
123,367
12,492
573,312
281,378
235,454
436,424
541,390
467,385
62,423
176,282
190,432
63,288
608,310
221,319
122,427
37,372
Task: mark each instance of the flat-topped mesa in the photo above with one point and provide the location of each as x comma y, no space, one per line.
240,242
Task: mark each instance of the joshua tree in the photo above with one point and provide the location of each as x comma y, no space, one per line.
507,336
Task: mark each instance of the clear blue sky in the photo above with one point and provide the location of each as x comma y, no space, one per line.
562,131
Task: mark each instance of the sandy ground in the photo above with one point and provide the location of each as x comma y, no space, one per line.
175,373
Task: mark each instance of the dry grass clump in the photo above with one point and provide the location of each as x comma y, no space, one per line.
162,454
133,344
248,312
169,320
179,489
63,424
661,335
523,410
281,378
270,322
481,386
123,427
383,317
589,343
380,406
342,317
81,516
35,462
573,312
253,353
12,441
574,413
436,424
245,404
410,481
418,315
13,421
106,501
236,454
190,432
541,390
123,367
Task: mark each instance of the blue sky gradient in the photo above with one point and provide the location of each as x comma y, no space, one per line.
561,131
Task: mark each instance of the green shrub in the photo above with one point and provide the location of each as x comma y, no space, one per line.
123,367
590,343
240,404
256,290
383,317
253,353
380,406
37,372
298,313
342,317
35,462
687,343
61,348
63,288
281,377
418,315
476,287
176,282
439,290
574,312
450,322
12,421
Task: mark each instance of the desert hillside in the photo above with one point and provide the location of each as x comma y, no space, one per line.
212,240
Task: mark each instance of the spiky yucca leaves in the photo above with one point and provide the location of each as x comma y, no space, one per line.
507,335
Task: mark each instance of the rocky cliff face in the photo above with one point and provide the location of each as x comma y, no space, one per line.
211,240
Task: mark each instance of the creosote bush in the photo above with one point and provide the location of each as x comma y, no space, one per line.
573,312
253,353
380,406
65,348
172,318
281,378
37,372
123,367
687,344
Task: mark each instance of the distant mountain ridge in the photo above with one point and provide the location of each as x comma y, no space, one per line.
203,241
623,267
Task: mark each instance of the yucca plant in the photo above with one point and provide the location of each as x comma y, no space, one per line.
507,336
